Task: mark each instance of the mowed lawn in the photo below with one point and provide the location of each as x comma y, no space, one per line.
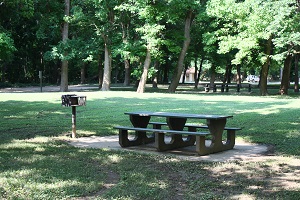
37,163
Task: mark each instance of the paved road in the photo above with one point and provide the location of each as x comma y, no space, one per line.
75,88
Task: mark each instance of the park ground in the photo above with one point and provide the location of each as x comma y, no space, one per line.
38,162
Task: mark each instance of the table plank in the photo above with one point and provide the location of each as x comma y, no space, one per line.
178,115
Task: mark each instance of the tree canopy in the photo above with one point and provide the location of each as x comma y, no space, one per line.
137,41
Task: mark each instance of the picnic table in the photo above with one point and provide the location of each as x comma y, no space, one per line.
225,87
176,128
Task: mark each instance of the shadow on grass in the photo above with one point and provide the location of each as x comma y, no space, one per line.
43,170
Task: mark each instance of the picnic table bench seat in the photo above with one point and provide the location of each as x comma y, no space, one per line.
230,141
159,124
161,130
159,142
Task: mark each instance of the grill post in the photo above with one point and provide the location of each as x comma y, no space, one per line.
73,101
73,121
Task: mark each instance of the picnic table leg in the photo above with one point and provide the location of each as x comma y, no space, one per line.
160,144
140,136
177,140
175,143
216,128
230,139
139,121
176,123
201,147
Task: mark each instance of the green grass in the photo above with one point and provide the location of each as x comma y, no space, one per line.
37,163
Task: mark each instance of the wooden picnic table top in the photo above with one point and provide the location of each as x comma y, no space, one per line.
178,115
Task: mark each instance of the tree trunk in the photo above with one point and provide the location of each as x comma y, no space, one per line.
166,71
107,55
100,73
107,65
285,82
229,73
155,79
226,78
184,75
238,77
125,35
116,75
186,43
200,70
263,79
127,73
296,86
143,80
196,74
64,65
83,73
212,77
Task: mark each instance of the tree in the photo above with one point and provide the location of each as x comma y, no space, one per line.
98,18
17,40
201,22
142,83
249,34
186,43
107,64
65,35
186,10
287,39
250,30
296,87
285,82
7,50
126,20
150,32
148,27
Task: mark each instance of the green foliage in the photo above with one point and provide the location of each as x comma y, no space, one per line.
7,47
242,29
223,32
287,38
24,8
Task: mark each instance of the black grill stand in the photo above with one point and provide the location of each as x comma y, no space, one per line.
73,101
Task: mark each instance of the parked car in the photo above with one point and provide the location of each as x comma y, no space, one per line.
252,78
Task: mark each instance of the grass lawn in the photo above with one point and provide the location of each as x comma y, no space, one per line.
37,163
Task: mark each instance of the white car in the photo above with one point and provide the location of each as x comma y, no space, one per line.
252,78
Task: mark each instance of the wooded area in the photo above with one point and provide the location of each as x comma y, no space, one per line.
135,41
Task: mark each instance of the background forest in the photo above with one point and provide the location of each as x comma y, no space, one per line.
135,41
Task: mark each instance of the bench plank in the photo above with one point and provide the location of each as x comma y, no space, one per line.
177,140
200,141
161,130
194,126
